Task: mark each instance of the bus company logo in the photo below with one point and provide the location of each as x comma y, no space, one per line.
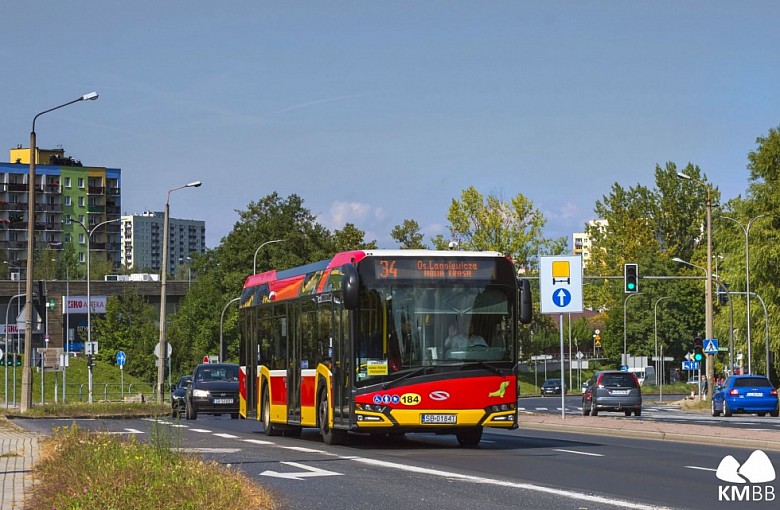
438,395
751,477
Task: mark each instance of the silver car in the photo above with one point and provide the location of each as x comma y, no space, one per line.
612,390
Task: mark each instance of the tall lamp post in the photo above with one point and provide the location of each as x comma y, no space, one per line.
26,400
221,321
163,347
89,233
708,331
746,231
254,260
625,346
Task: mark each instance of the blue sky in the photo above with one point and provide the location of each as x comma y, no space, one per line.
376,112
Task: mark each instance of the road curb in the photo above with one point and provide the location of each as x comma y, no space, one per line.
612,428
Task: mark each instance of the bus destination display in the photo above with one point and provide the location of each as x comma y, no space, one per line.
434,269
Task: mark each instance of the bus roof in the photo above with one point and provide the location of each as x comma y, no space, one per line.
355,256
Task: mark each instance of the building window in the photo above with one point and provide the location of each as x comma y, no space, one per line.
67,200
82,238
81,182
81,257
67,182
81,201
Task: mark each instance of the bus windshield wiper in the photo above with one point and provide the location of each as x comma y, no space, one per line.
490,367
392,383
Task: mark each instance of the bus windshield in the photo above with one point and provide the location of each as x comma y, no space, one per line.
404,328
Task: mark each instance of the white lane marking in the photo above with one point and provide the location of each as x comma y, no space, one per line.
258,441
578,453
517,485
226,436
308,472
202,431
700,468
301,449
208,450
127,431
542,409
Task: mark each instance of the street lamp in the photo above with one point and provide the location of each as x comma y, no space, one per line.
708,332
163,347
221,321
26,400
254,261
89,233
655,337
625,351
746,231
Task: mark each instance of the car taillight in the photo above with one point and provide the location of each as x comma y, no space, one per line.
773,392
734,392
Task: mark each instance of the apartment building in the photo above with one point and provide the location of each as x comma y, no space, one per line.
142,236
581,242
69,199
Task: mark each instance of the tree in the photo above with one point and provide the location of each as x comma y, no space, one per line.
490,223
650,227
350,238
129,325
408,235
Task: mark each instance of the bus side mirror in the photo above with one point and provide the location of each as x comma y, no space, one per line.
349,287
526,310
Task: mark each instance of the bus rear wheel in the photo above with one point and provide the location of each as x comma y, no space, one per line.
470,437
269,428
329,435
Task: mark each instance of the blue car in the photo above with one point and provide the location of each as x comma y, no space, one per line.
745,394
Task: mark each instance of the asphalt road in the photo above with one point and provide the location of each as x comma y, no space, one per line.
510,469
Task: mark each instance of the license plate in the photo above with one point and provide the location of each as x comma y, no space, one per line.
439,418
619,392
223,400
754,394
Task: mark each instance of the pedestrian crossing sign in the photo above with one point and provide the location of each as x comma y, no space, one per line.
711,346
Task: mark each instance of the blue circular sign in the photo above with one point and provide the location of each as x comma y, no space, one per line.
561,298
121,358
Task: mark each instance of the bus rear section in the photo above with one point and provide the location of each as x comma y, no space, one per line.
384,342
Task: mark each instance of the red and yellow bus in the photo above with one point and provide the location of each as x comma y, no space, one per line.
359,343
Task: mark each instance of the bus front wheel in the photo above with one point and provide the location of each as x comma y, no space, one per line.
269,428
470,437
329,435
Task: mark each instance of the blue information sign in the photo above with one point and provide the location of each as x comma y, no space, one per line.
121,358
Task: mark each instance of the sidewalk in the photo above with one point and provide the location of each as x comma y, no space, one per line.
614,425
18,453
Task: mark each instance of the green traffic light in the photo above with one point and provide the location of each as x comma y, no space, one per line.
631,286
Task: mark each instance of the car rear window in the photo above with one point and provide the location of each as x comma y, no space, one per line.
752,382
618,380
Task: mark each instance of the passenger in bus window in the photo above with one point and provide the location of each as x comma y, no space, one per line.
454,341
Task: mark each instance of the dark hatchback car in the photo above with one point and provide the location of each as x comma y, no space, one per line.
552,387
746,394
177,396
612,390
212,390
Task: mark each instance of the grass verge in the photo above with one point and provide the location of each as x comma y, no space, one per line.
80,470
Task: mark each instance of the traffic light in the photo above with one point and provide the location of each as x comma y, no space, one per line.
630,279
698,349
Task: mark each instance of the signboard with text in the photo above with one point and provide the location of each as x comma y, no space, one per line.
78,304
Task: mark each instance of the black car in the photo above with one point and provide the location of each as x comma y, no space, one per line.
177,396
212,390
612,390
553,387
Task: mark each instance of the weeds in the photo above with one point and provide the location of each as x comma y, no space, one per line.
82,470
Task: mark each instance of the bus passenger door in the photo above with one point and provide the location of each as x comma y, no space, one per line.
343,371
294,365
